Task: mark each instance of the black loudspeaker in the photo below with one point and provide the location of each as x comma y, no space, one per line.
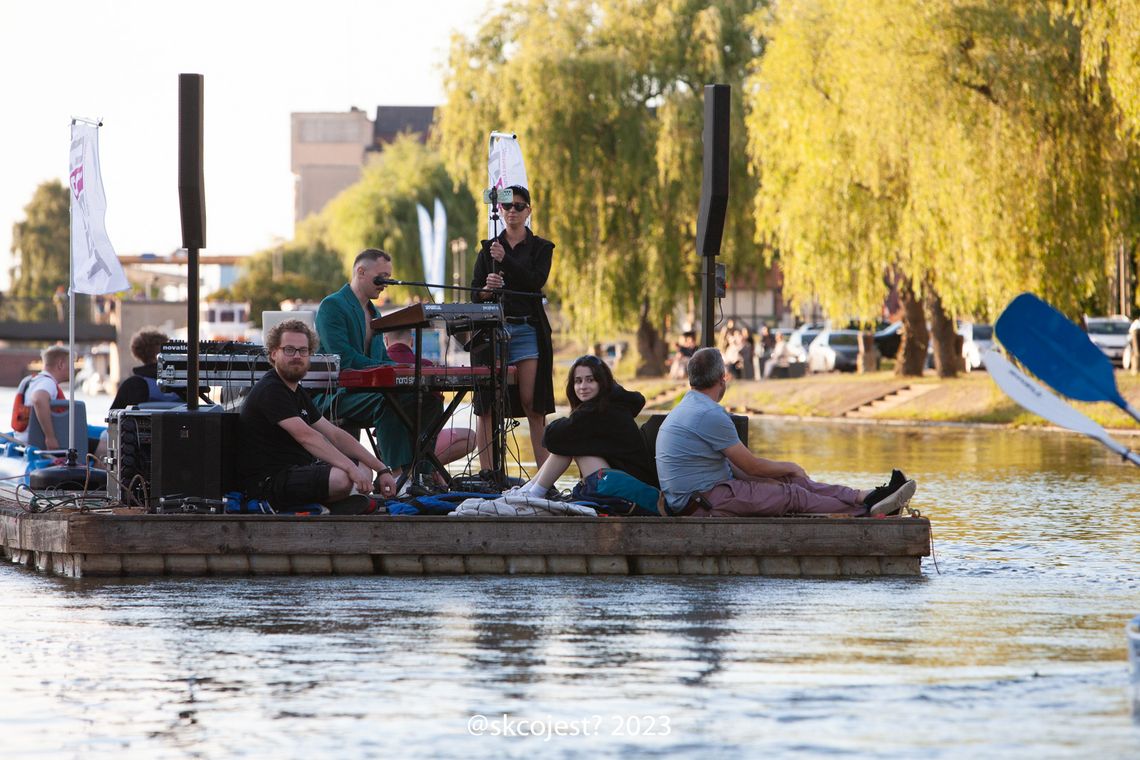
191,181
714,184
193,454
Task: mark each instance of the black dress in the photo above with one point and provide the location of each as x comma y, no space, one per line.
605,430
525,268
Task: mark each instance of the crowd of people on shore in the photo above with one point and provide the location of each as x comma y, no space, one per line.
747,355
300,448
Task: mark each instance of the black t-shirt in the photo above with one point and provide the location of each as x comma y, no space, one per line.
267,448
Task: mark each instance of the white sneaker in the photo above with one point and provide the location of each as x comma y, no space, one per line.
893,503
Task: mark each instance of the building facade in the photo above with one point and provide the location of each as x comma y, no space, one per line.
328,150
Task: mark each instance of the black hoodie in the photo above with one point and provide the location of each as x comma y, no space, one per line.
610,433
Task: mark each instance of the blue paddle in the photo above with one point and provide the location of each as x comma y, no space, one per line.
1058,352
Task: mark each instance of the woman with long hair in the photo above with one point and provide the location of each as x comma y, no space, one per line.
600,432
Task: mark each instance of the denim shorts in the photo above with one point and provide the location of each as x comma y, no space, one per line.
523,344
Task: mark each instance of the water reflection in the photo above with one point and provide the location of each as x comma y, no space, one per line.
1036,538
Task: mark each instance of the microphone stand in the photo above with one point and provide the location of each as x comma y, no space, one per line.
499,442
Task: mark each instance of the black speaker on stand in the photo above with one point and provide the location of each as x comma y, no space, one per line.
192,204
714,198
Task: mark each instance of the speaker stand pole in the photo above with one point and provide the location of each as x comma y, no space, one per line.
708,300
192,384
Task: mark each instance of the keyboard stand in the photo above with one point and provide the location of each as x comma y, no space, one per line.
423,447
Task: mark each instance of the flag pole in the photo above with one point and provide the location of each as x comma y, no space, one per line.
72,451
82,181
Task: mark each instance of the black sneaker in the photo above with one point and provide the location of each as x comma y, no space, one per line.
892,503
356,504
885,490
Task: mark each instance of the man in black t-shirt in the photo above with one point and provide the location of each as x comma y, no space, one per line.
293,455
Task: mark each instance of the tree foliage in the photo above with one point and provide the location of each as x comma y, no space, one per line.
379,211
41,244
949,140
607,99
294,271
1110,53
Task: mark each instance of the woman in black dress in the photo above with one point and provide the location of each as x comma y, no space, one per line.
518,260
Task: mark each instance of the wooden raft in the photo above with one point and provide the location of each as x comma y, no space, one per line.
77,545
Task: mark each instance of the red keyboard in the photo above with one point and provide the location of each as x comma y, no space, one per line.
433,378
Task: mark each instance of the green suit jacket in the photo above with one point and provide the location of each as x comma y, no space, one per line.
341,326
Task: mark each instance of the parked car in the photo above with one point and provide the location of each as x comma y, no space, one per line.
888,339
795,363
1110,334
1126,357
803,335
834,350
976,340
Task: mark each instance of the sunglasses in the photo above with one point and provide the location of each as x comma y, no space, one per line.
517,206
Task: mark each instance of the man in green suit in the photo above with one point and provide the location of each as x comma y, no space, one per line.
343,324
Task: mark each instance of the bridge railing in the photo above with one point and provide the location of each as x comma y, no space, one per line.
88,309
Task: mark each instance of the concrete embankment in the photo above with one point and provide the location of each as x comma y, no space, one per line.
884,397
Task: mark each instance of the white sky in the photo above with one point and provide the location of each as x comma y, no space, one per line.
119,60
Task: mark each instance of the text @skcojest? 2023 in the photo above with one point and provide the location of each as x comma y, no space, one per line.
549,727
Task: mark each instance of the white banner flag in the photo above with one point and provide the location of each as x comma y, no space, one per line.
433,244
439,249
505,167
95,269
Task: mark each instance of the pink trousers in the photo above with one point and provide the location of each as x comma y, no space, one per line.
790,495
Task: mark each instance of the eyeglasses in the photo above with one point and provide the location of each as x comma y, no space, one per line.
517,206
292,351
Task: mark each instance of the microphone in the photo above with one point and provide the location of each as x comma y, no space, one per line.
385,281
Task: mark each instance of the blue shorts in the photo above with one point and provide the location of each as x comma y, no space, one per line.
523,344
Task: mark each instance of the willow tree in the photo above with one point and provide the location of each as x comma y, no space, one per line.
41,244
293,271
947,141
1110,53
379,211
607,99
1110,60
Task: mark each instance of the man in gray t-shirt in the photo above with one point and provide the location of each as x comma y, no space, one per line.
699,454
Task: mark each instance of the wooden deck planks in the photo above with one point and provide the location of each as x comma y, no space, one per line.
74,544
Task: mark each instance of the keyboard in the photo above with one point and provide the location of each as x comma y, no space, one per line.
242,367
434,378
456,316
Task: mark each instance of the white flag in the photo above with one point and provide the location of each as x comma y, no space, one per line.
95,269
439,249
505,167
432,245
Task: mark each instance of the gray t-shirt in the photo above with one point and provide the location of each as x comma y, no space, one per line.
690,448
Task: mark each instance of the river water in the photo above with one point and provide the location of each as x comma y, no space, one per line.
1010,645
